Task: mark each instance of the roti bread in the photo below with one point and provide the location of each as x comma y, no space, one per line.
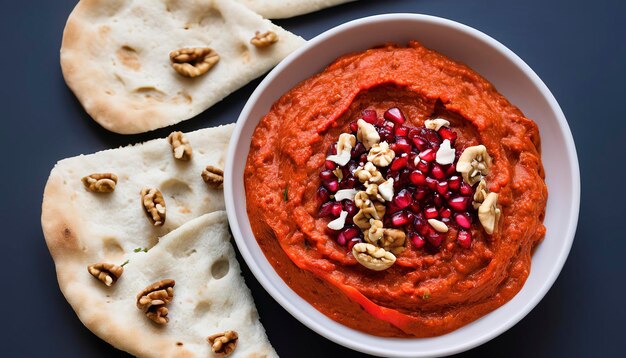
281,9
192,248
115,57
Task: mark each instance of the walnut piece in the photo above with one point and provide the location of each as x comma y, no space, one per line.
393,240
367,134
154,205
480,194
381,155
436,123
375,232
107,273
193,62
100,182
152,300
223,344
372,257
489,214
474,164
367,210
369,173
180,146
213,176
261,40
345,143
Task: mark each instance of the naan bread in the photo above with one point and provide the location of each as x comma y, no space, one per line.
115,58
192,248
281,9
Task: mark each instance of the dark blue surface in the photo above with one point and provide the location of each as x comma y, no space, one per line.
577,48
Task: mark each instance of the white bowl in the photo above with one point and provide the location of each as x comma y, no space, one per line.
512,77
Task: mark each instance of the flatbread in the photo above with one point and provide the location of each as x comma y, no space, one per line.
115,58
210,295
281,9
192,248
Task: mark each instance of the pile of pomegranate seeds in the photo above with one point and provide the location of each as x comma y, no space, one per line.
423,188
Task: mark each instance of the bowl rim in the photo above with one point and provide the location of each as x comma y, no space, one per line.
326,332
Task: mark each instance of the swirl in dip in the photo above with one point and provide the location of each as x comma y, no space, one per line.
456,192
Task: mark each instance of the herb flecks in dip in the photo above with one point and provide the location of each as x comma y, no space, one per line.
490,197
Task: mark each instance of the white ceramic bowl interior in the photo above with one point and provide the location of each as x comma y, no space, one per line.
512,77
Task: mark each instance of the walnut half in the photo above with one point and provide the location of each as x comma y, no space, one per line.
180,146
372,257
100,182
107,273
223,344
213,176
152,300
261,40
154,205
193,62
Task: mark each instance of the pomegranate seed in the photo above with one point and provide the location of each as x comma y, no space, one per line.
431,213
336,209
415,207
401,131
402,145
420,144
423,166
351,232
420,193
466,189
447,195
332,149
428,155
447,133
422,227
348,183
379,122
332,185
416,240
435,238
322,194
363,158
354,127
437,200
353,242
341,239
454,182
400,218
402,199
369,115
430,136
438,172
330,165
350,207
327,175
399,162
394,115
463,221
442,187
464,238
445,213
358,149
449,169
389,126
385,135
417,177
325,209
458,203
431,183
392,208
